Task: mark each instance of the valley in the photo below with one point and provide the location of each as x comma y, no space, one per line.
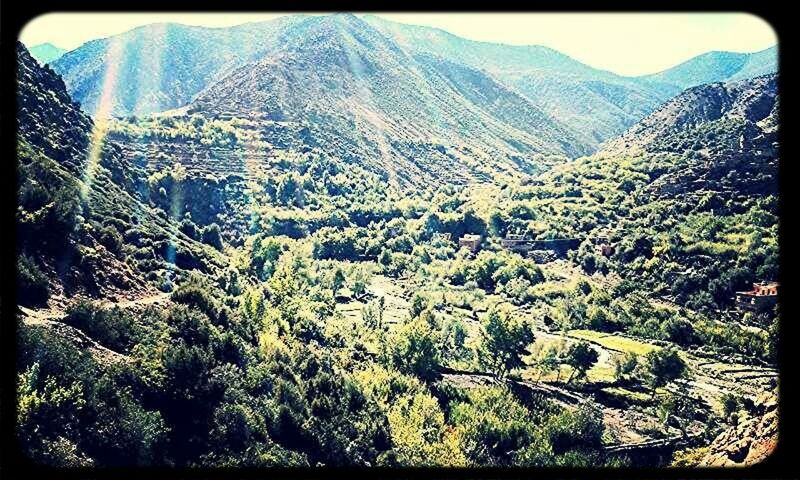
347,244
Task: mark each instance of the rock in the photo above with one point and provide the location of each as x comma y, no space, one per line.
749,442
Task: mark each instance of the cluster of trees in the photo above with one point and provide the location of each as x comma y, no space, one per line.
501,272
196,128
697,250
265,379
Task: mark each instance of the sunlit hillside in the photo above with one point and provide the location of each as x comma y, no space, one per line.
341,241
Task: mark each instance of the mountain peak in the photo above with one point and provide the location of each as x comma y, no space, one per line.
46,52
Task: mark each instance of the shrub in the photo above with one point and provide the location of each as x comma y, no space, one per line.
110,238
111,328
212,235
32,284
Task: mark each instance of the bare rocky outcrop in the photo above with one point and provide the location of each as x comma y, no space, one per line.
749,442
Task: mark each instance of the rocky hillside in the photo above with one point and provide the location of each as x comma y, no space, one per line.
748,108
85,223
364,98
43,104
751,441
717,137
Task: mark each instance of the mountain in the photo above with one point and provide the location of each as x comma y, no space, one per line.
165,66
593,103
84,225
46,52
714,67
162,66
363,97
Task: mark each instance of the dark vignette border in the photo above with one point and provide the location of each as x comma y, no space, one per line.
780,464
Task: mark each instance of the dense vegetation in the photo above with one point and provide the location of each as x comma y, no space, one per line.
252,358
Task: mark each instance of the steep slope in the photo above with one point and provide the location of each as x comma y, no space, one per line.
162,66
46,52
714,67
595,104
749,442
84,223
728,133
747,109
363,97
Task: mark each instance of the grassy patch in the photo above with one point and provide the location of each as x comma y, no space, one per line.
614,342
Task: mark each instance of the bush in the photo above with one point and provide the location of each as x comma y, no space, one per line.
110,238
32,284
212,235
494,426
189,229
111,328
194,293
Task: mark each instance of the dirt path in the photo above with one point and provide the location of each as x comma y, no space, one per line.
76,336
57,314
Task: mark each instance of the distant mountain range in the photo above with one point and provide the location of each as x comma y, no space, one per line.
402,77
46,52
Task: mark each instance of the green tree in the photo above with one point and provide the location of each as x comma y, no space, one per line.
547,362
381,309
338,280
212,235
581,357
415,348
32,284
625,366
663,366
504,340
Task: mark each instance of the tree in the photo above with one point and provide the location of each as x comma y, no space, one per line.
415,348
337,281
418,305
581,357
625,366
381,308
678,330
360,282
663,366
547,362
674,408
32,284
494,426
503,342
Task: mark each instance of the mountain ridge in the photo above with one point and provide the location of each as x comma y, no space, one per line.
595,105
46,52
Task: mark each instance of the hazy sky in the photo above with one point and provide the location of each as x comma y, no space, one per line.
629,44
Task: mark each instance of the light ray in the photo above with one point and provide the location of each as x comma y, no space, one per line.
102,114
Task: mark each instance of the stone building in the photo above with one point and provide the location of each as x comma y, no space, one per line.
471,242
763,296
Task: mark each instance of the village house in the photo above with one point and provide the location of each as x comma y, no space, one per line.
470,241
763,296
515,242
